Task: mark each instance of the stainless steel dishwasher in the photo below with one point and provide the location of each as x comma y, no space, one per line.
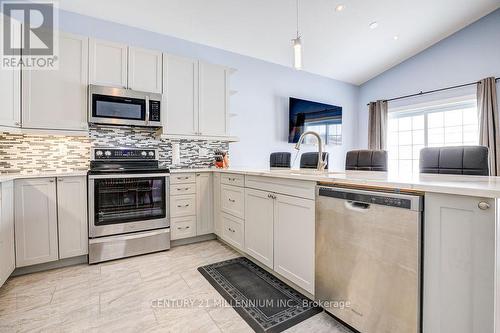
368,258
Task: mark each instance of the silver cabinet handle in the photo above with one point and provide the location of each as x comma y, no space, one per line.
60,179
483,205
231,200
179,178
51,180
232,230
180,206
182,228
271,196
183,189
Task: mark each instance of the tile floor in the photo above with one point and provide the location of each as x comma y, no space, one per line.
127,296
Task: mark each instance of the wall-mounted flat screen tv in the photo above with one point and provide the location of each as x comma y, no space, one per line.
324,119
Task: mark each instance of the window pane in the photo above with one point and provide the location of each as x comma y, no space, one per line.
418,122
435,119
408,135
405,124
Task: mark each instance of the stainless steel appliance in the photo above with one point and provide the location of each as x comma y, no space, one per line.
128,204
119,106
368,258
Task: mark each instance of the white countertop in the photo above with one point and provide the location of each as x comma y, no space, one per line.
12,176
451,184
480,186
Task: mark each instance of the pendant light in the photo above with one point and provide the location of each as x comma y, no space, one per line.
297,46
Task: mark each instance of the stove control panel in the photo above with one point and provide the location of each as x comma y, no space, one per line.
124,154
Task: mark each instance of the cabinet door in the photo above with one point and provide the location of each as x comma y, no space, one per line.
35,221
72,216
459,259
217,209
10,86
294,240
259,217
180,95
7,254
108,63
57,99
204,204
144,70
213,118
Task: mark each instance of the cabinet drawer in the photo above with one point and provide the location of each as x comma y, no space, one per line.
180,178
232,179
233,200
183,227
233,230
183,205
178,189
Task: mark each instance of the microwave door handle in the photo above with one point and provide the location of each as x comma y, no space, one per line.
147,110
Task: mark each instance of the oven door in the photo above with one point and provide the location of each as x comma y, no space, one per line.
121,204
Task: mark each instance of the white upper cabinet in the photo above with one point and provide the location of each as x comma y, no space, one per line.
10,87
35,221
108,63
259,221
204,204
213,119
72,216
145,70
57,99
180,95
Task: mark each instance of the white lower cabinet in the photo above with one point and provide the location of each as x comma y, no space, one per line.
7,253
35,221
183,227
232,200
233,231
459,264
50,219
72,216
217,212
259,220
204,204
294,240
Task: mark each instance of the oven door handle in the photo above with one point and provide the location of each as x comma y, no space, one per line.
129,175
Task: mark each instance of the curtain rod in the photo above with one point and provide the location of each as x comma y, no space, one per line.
433,91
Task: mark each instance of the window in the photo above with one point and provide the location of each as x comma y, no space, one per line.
330,133
439,124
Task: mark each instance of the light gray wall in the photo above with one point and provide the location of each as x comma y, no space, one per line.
260,108
469,55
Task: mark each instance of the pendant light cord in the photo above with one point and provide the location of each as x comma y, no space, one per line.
297,18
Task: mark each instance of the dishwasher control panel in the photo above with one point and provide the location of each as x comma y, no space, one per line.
371,198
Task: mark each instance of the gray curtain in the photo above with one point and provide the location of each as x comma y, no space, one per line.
489,129
377,125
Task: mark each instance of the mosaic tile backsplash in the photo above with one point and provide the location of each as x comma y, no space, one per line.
37,153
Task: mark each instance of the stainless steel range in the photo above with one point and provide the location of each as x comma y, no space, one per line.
128,204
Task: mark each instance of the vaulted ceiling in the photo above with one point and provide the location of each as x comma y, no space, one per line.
337,44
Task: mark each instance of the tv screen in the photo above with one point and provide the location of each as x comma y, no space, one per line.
324,119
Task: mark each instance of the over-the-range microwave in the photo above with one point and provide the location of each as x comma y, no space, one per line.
119,106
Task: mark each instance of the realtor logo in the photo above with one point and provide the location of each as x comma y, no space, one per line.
29,35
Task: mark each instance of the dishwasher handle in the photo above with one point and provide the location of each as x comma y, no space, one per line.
356,205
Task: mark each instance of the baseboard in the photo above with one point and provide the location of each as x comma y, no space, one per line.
50,265
191,240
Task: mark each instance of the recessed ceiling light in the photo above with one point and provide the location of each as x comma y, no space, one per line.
339,8
395,37
373,25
